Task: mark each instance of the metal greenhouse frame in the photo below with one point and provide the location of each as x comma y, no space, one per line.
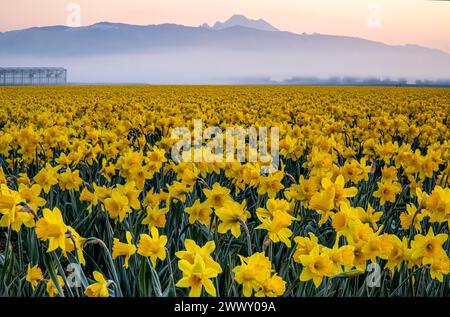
30,76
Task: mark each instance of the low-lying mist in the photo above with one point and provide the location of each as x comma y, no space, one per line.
228,67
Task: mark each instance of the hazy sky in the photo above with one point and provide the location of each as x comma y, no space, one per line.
420,22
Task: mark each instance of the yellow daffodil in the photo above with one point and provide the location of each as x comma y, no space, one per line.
117,206
316,266
277,227
200,212
156,217
197,276
192,249
429,246
271,184
34,275
387,191
51,288
153,246
47,177
13,215
98,289
124,249
52,228
252,273
272,287
31,195
217,196
70,180
231,215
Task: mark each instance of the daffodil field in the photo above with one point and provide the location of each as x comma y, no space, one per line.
92,203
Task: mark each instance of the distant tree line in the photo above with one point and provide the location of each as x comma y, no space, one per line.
348,81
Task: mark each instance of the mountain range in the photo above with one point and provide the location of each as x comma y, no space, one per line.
235,50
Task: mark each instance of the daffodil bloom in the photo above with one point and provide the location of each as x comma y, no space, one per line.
437,205
429,246
217,196
129,161
2,177
439,266
342,257
47,177
52,228
429,164
34,275
200,212
189,175
378,246
271,184
11,210
108,170
316,266
192,249
31,196
23,179
70,180
369,216
341,219
323,203
138,175
274,205
358,231
156,217
179,191
63,160
117,206
197,276
154,199
98,289
360,258
341,194
102,192
231,215
319,159
51,287
157,157
99,194
124,249
129,190
252,273
277,227
303,191
399,253
288,147
353,171
272,287
153,246
304,246
387,191
389,174
90,197
387,151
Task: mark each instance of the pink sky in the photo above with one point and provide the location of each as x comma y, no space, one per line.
420,22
